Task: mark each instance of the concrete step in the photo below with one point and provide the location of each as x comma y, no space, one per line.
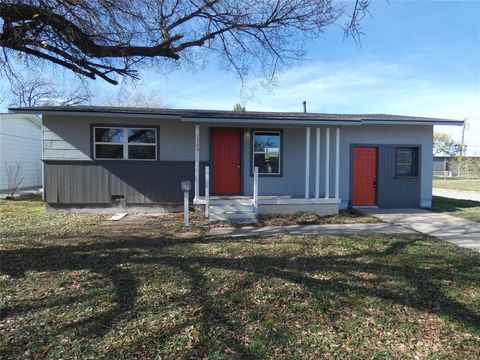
232,210
235,208
233,216
231,201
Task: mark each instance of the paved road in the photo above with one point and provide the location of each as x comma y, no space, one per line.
442,226
457,194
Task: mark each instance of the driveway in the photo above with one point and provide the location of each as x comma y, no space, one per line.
457,194
444,227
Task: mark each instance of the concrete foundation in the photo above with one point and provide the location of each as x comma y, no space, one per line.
110,209
283,209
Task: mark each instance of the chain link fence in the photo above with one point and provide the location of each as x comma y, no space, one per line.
458,167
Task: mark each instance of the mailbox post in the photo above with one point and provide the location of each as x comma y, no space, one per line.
185,187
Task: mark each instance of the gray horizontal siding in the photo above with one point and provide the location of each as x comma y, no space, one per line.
94,182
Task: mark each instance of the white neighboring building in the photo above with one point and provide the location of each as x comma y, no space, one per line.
21,143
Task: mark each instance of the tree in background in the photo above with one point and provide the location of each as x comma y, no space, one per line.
443,144
239,107
37,91
135,96
14,173
110,39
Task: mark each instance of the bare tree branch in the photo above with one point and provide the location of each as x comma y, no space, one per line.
110,39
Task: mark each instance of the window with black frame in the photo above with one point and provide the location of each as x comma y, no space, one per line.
406,161
267,152
125,143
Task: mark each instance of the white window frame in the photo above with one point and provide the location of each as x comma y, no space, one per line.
125,143
263,152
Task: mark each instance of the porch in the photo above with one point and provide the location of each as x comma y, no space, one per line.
321,185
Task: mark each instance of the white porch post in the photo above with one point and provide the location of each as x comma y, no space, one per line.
307,163
337,164
327,165
255,189
197,162
317,166
207,191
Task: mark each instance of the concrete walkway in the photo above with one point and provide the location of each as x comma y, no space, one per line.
379,228
444,227
457,194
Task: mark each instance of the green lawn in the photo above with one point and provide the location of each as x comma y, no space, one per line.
466,209
146,287
453,184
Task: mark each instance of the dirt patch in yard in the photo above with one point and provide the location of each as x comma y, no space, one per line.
344,217
148,287
172,223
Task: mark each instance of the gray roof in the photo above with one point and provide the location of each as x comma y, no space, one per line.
240,116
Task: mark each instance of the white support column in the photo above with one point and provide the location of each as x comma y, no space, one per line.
197,162
307,163
317,166
207,191
337,164
255,189
327,165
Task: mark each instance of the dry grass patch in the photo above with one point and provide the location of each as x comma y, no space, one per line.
146,290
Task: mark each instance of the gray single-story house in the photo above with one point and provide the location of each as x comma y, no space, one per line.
99,157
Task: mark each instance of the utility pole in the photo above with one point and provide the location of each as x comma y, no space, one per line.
462,152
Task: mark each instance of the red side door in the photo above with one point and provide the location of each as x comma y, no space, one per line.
364,176
226,161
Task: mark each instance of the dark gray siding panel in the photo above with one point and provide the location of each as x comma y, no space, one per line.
395,191
78,182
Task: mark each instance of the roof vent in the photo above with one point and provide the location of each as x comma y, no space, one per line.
304,106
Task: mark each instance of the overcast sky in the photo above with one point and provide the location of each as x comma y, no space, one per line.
417,58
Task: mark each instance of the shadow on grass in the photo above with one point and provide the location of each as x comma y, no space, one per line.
443,204
27,197
109,258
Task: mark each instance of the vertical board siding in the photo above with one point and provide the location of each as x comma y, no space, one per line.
395,191
140,183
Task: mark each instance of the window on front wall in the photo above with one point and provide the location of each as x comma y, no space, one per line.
266,152
125,143
406,161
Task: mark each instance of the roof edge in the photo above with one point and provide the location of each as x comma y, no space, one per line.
229,116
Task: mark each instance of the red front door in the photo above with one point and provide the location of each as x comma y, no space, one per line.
364,176
226,161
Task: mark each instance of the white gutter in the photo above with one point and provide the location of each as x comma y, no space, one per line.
407,122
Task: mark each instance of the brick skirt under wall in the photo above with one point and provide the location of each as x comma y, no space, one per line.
103,183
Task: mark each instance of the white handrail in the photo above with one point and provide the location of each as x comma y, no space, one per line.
207,191
255,189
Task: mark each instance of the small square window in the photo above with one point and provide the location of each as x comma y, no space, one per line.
406,161
266,152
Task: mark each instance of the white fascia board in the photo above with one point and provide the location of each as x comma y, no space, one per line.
261,122
103,114
406,122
